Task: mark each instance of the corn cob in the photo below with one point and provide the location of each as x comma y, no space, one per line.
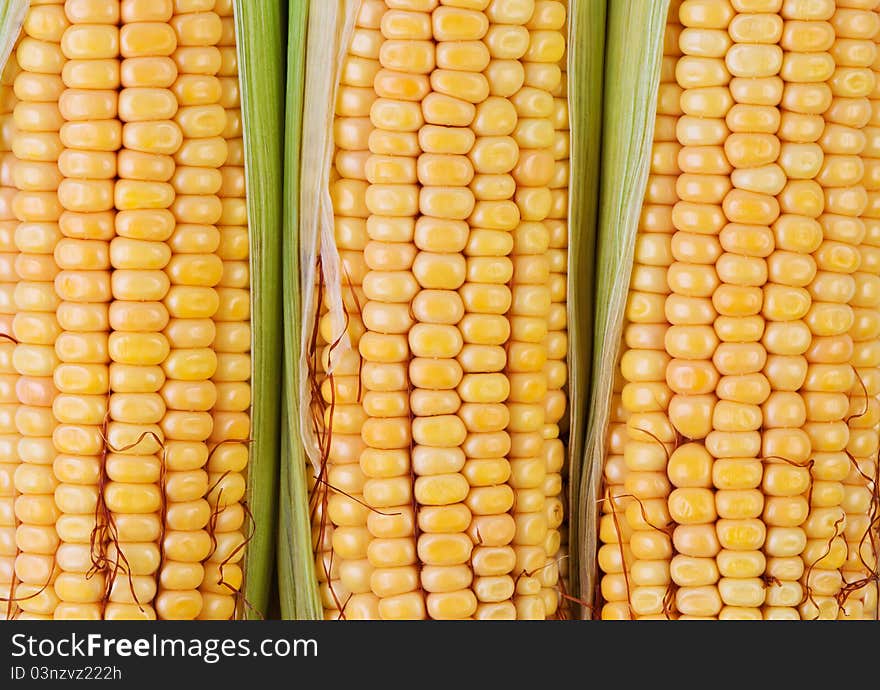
36,146
124,312
8,376
774,377
453,331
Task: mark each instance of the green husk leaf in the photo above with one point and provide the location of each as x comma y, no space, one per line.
259,28
586,47
12,14
297,583
632,78
325,30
